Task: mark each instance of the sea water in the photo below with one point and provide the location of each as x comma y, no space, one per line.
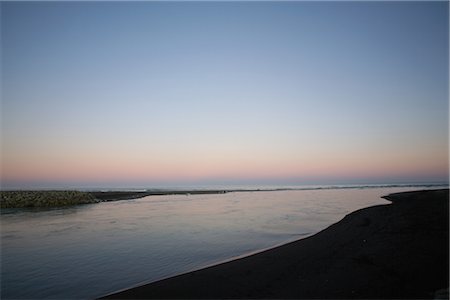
87,251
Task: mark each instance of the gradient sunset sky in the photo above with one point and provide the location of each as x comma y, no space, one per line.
118,94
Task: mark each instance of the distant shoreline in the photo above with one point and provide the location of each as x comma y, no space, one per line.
123,195
61,198
387,251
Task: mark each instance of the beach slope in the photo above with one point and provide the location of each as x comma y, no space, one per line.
399,250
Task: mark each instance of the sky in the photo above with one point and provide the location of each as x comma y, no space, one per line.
120,94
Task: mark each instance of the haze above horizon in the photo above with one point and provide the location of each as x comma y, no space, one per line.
191,93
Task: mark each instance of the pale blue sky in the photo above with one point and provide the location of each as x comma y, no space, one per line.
194,92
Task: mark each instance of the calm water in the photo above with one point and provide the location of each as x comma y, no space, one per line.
90,250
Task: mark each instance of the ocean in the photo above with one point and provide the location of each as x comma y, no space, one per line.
87,251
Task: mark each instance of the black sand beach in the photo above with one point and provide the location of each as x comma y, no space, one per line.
387,251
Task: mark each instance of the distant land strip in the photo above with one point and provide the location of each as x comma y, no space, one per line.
30,199
56,198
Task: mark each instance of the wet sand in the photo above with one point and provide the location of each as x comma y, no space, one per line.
390,251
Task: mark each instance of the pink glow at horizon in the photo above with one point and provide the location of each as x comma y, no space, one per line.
115,166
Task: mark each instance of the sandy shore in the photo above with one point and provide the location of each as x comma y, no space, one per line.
388,251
